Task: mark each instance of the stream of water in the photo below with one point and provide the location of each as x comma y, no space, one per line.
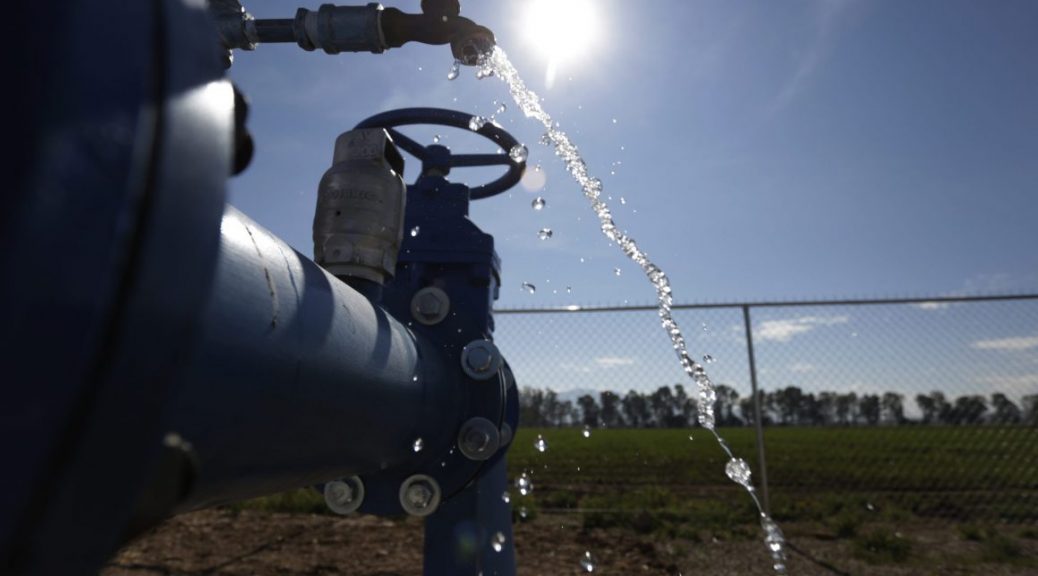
496,63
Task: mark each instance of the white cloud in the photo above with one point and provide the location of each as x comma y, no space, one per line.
613,361
827,15
802,367
1007,344
785,330
578,368
598,364
1022,383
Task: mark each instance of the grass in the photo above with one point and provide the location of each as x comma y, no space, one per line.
882,546
843,479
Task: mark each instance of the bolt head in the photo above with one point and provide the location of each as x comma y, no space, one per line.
428,304
479,359
340,492
476,440
419,495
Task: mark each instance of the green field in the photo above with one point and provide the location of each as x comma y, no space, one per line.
663,479
964,473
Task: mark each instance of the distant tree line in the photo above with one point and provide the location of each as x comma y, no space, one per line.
674,407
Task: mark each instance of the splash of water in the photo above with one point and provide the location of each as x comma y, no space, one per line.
496,63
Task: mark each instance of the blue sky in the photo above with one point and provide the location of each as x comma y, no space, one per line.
764,150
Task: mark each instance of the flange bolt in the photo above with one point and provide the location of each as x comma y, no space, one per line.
419,495
344,496
478,439
481,360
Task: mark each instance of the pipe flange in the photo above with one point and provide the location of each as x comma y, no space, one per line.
506,434
419,495
481,360
430,305
344,496
478,439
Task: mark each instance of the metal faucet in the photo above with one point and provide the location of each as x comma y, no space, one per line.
369,28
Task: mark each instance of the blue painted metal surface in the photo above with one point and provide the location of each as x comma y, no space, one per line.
138,307
296,378
451,253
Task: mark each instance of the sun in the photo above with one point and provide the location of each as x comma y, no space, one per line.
561,30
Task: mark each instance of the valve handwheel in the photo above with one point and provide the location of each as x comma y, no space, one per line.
438,159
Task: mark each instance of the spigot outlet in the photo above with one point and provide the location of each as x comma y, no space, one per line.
468,40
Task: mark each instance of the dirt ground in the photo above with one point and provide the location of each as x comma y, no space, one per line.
225,542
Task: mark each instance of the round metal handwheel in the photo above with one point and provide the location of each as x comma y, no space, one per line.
437,159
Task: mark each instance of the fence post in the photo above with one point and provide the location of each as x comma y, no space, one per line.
758,423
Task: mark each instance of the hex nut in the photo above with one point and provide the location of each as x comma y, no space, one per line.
430,305
419,495
344,496
481,360
478,439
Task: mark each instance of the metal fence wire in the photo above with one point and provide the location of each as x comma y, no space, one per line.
928,403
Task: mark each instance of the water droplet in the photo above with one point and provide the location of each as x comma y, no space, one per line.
528,287
415,379
419,444
537,168
541,445
616,271
775,540
708,359
739,471
419,68
544,233
518,153
523,512
569,290
455,70
623,200
477,122
690,437
538,203
587,432
581,259
500,108
436,139
524,484
498,543
614,120
415,231
506,497
586,562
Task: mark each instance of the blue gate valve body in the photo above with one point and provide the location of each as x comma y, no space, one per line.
447,278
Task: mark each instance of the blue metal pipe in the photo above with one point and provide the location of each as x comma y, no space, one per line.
297,378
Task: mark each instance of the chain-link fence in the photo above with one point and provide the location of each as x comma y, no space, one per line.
924,406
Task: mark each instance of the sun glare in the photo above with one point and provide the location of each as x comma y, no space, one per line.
561,30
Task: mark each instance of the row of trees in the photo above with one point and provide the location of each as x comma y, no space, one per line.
674,407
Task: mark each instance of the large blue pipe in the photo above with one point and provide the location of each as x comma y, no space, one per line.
296,378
